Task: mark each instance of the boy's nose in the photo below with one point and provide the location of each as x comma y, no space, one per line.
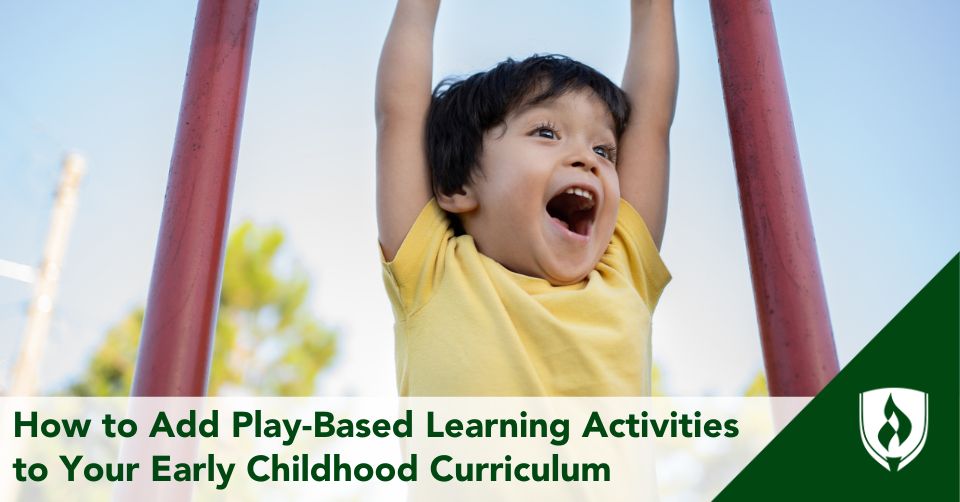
583,162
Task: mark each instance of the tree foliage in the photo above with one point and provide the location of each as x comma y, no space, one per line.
757,387
267,340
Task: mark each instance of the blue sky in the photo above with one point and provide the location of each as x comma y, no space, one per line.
872,87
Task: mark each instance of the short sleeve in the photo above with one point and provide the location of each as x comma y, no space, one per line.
633,253
411,275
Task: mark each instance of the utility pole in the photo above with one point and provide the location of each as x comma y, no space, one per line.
24,379
17,271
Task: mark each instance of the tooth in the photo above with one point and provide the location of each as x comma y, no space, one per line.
579,192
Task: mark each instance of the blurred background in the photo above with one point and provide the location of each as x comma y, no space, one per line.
873,92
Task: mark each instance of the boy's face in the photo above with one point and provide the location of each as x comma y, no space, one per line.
545,199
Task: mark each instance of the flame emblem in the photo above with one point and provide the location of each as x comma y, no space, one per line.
893,425
888,431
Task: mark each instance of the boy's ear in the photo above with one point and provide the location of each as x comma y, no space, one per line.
461,201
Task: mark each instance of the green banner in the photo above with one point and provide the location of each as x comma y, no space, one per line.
886,428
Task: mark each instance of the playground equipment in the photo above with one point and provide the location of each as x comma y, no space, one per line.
175,349
798,349
177,338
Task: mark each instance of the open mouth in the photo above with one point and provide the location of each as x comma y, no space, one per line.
574,208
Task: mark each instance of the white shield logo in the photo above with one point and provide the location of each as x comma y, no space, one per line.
893,425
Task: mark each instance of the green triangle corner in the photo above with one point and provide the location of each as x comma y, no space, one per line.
820,454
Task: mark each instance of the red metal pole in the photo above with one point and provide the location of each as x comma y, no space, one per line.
181,313
795,331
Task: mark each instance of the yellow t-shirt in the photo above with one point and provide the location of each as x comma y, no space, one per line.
467,326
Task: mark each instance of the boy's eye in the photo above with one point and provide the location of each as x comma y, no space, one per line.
604,151
546,132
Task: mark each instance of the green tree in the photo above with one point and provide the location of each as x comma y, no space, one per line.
267,340
758,386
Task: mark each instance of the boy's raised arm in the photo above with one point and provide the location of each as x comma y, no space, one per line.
650,79
402,98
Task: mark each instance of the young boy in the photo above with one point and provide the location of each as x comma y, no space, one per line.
521,212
